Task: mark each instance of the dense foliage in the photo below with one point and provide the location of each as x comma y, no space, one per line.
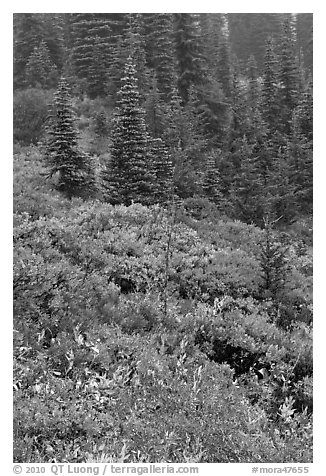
146,334
162,238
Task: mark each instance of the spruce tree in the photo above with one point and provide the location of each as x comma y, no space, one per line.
163,170
303,114
156,110
91,51
288,92
129,175
135,47
211,178
249,32
273,262
163,57
304,27
211,31
189,53
270,106
40,71
28,34
73,168
224,67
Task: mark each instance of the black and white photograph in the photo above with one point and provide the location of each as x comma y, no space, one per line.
162,240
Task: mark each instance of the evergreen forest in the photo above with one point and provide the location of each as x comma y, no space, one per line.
163,237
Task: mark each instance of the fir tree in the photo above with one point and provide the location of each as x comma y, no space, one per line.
163,58
91,51
270,107
273,263
175,122
53,36
211,31
304,28
129,176
40,71
288,76
163,170
28,34
303,114
211,178
224,68
189,54
249,32
97,75
156,111
135,47
74,169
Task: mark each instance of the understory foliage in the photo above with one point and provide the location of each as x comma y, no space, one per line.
163,238
145,334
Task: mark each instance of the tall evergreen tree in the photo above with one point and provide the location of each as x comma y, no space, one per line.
303,114
40,71
189,54
156,111
212,26
91,51
28,34
53,36
304,27
74,168
163,57
163,170
289,76
224,67
270,106
135,47
249,33
129,176
211,178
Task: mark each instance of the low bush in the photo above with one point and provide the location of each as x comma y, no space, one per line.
128,350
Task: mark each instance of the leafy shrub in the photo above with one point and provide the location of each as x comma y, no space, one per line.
112,364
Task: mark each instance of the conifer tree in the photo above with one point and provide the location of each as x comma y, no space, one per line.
163,57
40,71
74,168
53,36
211,31
211,178
273,262
304,28
129,176
224,68
176,122
163,170
270,107
28,34
91,51
128,41
135,47
189,54
303,114
156,111
288,76
253,88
